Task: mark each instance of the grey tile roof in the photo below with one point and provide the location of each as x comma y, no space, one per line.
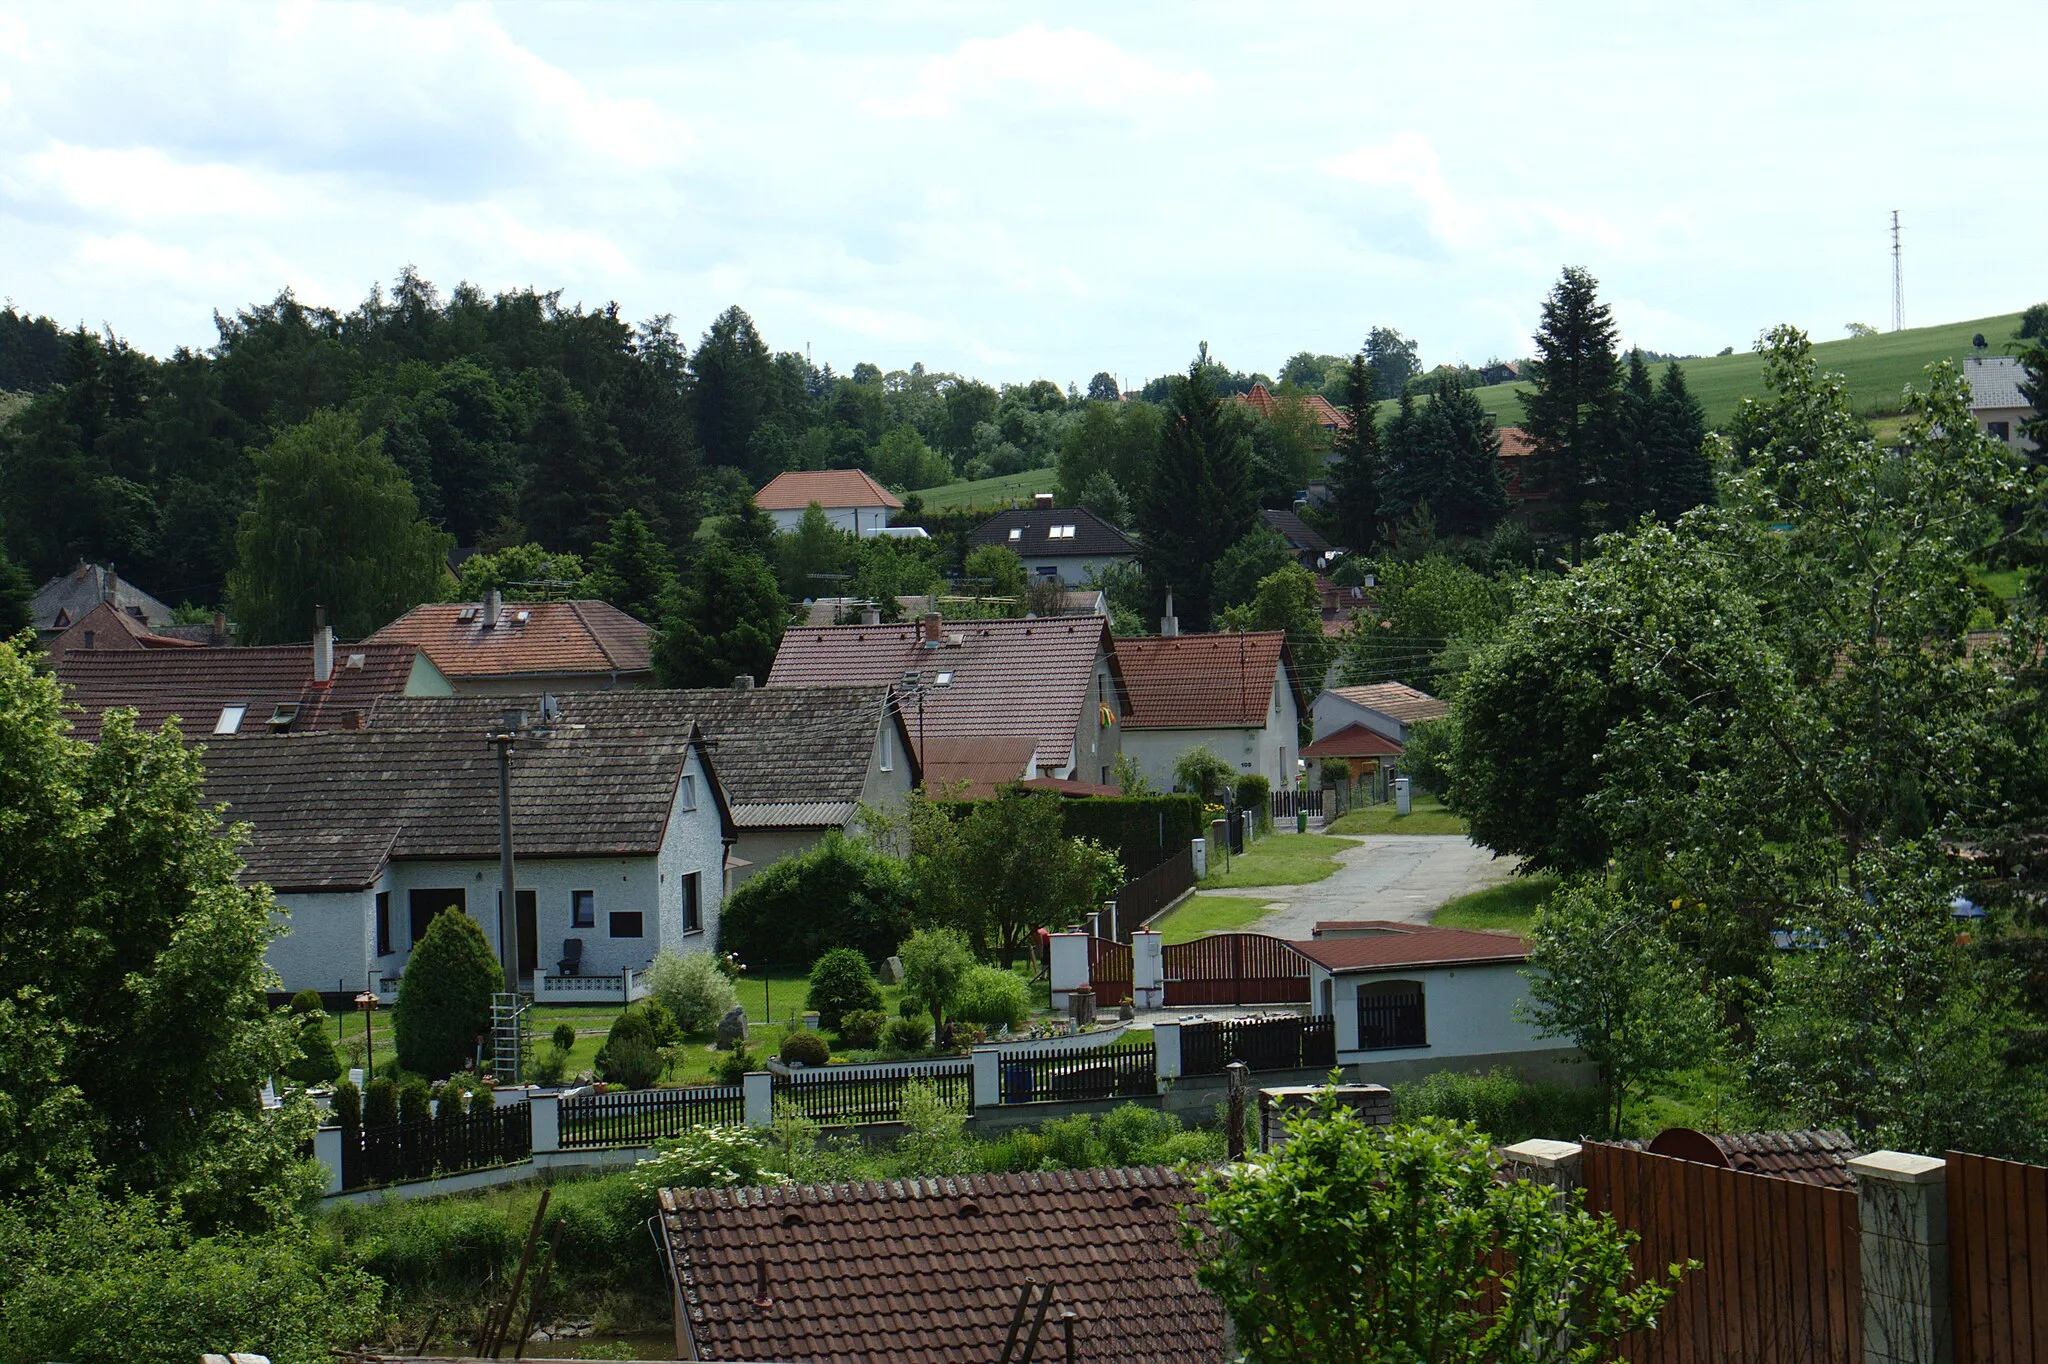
1092,535
194,685
1301,537
84,587
1995,381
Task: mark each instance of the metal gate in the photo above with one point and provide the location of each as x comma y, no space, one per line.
1109,971
1236,969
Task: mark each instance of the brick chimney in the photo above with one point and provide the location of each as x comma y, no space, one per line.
870,615
1042,501
493,603
323,648
934,630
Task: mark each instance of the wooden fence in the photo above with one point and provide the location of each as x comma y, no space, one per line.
1235,969
1779,1280
636,1117
1292,1043
1146,896
1109,971
1998,1259
1127,1070
844,1099
450,1145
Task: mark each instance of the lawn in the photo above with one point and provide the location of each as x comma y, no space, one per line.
1510,905
992,494
1200,914
1279,860
1426,816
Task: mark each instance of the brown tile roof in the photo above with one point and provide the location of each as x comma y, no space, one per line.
928,1271
982,763
1321,410
1402,946
827,487
1396,700
1353,741
194,684
1200,681
1810,1156
1516,442
554,637
1009,678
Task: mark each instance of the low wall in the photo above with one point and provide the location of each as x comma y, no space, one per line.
533,1167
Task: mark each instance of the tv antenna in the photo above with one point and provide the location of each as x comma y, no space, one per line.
1898,280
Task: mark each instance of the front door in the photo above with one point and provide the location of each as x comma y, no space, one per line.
529,931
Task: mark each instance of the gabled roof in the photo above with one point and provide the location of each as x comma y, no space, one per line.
1005,678
1200,681
542,638
1388,945
1995,381
828,488
65,599
1321,410
1396,700
196,684
928,1271
1029,531
982,762
1354,741
113,628
1301,537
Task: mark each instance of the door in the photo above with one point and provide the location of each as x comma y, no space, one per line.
422,905
529,931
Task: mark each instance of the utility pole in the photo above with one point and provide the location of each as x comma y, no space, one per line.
1898,279
505,1005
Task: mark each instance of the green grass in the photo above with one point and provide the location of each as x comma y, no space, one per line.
1426,816
1511,905
990,493
2006,582
1280,860
1877,368
1200,914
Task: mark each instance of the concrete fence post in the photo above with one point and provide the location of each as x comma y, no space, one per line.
1069,966
546,1110
1148,969
1201,851
1557,1164
1902,1201
988,1077
327,1148
758,1095
1166,1050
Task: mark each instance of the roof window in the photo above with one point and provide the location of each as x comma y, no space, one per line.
356,660
230,719
943,680
1016,532
282,718
521,617
1061,533
466,614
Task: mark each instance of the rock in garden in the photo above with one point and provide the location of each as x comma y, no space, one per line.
892,971
732,1029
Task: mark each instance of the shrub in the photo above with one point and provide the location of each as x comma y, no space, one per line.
862,1029
1254,793
444,997
348,1105
1140,830
380,1103
839,893
450,1101
1072,1143
414,1099
551,1067
937,1142
306,1002
631,1054
841,983
732,1068
564,1036
909,1034
661,1023
804,1047
993,998
317,1062
1503,1105
692,988
935,961
907,1007
703,1158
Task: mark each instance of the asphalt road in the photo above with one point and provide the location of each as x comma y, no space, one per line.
1388,876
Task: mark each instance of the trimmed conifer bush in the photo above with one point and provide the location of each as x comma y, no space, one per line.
841,983
444,997
380,1103
317,1062
806,1048
631,1054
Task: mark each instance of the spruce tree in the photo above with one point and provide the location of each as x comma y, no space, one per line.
1570,411
1355,470
1199,502
631,570
1684,475
1629,471
16,595
1409,474
1471,493
724,619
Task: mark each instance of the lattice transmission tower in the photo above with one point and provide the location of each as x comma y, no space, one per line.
1898,279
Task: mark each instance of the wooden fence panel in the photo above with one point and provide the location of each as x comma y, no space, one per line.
1779,1280
1145,896
1998,1259
1109,971
1236,969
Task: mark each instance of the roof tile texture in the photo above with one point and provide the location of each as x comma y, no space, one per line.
1200,681
1395,699
194,684
1811,1155
928,1271
555,637
828,488
1353,741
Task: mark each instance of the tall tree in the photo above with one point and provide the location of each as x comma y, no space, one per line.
1391,358
724,619
1630,466
1570,411
1684,474
16,595
1198,504
734,389
1357,470
632,570
1103,388
334,524
575,480
1464,448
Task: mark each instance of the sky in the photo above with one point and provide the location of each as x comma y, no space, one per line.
1026,192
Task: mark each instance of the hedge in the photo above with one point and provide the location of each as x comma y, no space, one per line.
1141,830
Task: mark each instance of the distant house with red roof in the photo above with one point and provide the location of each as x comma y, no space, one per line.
509,648
1233,694
851,500
1516,460
1368,727
1332,419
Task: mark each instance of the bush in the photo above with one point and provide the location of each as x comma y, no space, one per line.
732,1068
1254,793
692,988
1141,830
841,983
993,998
660,1022
564,1036
414,1099
703,1158
348,1105
380,1103
306,1002
839,893
631,1054
551,1067
861,1030
1073,1143
444,997
1503,1105
935,961
907,1007
317,1062
807,1048
909,1034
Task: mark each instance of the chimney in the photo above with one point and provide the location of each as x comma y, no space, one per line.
493,603
1042,501
1169,624
870,615
934,630
323,647
743,682
110,586
220,629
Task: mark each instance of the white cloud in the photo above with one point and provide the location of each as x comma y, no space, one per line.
1042,69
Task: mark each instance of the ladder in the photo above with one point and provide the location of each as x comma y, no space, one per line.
508,1015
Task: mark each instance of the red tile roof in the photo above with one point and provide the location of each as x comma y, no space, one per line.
827,487
1200,681
1810,1156
1395,700
1408,946
194,685
982,763
928,1271
1353,741
1516,442
1321,410
1008,678
555,637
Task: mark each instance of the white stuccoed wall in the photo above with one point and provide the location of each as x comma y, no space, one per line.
1470,1012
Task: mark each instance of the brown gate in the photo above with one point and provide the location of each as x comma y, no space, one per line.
1109,971
1998,1259
1234,968
1780,1278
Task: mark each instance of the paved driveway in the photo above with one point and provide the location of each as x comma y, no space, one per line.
1388,876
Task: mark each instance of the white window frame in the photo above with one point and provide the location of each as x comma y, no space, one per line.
231,716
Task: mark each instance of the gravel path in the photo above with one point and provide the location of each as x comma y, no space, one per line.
1388,876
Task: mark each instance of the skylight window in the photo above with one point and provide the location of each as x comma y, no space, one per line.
1016,532
1061,533
230,719
943,680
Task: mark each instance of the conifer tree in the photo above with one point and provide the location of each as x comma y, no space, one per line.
631,570
16,594
1629,471
1409,476
1464,447
1356,470
748,531
1684,476
724,619
1199,503
1570,411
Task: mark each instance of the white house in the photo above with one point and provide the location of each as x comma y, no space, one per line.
1072,544
1412,999
851,500
1232,694
620,839
1995,397
1388,708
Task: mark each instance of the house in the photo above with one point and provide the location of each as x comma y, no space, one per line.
851,500
220,694
66,600
1321,411
1233,694
1516,460
1995,397
930,1271
1391,709
619,831
1054,681
1367,754
1072,544
1309,548
500,648
108,627
1412,999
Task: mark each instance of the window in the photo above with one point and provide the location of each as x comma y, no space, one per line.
383,923
583,909
686,794
888,749
1390,1015
1047,570
626,924
1996,430
1060,533
943,680
693,905
423,905
1016,532
230,719
88,638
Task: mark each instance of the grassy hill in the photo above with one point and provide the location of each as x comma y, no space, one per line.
989,493
1877,368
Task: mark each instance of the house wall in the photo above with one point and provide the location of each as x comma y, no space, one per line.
328,940
1072,569
764,846
1270,751
1097,746
1330,712
2012,417
693,842
852,520
1469,1011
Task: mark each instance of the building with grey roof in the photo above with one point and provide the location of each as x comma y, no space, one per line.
1996,399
